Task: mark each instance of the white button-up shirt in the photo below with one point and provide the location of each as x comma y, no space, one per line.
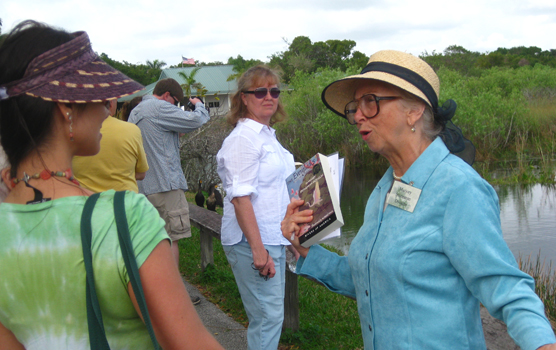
252,163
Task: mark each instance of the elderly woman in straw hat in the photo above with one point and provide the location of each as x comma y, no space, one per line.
54,93
431,248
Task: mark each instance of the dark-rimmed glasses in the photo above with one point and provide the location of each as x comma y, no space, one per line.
262,92
368,104
176,101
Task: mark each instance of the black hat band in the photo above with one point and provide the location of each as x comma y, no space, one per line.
407,75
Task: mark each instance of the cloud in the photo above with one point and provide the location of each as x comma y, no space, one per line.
137,30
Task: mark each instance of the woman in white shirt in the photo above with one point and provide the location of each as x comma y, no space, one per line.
253,167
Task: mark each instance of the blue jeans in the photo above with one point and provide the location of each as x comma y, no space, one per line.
263,300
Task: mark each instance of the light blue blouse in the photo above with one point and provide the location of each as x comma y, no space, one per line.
419,277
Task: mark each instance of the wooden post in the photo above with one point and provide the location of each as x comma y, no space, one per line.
291,302
207,255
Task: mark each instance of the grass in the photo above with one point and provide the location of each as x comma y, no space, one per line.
532,148
321,326
545,283
530,171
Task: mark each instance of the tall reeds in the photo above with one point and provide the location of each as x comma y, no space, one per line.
545,282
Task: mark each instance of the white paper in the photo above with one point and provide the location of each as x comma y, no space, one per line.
337,171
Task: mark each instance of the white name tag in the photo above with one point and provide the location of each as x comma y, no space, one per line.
403,196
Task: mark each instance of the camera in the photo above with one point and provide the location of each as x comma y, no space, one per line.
190,105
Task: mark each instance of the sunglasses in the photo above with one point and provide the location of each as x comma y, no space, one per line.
262,92
176,101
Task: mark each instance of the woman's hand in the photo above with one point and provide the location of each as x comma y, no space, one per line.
548,347
247,221
263,262
290,225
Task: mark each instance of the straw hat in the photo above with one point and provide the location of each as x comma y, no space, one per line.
400,69
71,73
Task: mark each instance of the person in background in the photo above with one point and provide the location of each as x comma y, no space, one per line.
253,167
128,106
54,96
121,160
161,121
431,249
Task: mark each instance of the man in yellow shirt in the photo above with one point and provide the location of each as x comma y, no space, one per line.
120,162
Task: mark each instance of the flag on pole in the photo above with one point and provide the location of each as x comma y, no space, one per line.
187,60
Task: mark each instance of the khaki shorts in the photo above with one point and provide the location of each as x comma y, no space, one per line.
173,208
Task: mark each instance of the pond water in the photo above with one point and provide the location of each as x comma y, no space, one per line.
528,215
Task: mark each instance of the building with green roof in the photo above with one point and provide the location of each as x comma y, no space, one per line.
214,79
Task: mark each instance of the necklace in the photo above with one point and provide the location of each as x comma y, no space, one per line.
396,177
45,175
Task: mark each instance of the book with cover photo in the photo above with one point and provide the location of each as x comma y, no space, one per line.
318,183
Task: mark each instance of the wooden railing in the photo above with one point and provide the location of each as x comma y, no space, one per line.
209,224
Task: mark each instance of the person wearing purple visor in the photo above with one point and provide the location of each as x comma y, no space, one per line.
54,97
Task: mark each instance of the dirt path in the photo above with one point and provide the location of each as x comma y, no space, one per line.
496,333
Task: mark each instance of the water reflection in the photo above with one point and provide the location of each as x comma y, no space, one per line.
528,217
527,213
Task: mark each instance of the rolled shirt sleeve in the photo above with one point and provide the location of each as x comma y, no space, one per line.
251,162
239,166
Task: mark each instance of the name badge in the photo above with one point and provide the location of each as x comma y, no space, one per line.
403,196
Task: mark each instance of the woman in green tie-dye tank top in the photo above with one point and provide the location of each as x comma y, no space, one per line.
54,92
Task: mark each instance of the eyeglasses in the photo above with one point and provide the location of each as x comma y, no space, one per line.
176,101
368,104
262,92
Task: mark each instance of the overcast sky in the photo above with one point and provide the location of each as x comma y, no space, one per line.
140,30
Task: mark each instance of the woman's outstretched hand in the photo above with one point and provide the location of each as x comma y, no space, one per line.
290,225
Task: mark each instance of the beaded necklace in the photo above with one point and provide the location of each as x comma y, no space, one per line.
45,175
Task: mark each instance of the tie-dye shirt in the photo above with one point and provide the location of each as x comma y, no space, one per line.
42,275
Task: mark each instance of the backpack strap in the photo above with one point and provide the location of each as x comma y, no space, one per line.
130,262
97,335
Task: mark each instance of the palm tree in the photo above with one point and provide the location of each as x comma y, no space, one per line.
154,68
155,64
190,82
201,90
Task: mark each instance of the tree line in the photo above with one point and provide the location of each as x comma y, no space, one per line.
304,55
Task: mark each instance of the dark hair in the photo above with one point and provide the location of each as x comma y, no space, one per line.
128,106
25,122
254,77
168,85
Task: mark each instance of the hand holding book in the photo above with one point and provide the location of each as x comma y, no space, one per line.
317,183
290,226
